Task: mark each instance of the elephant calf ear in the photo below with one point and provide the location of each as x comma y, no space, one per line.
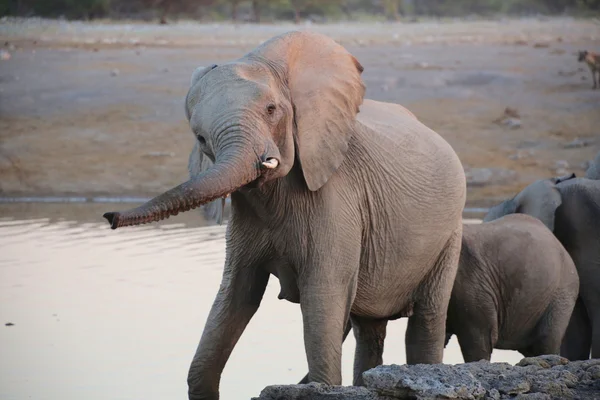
326,90
500,210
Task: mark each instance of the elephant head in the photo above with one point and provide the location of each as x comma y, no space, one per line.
540,200
593,172
291,101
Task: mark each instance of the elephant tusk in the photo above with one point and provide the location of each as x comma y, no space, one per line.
271,163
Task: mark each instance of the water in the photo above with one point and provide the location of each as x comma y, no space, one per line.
102,314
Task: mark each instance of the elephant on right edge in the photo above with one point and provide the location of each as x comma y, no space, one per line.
569,207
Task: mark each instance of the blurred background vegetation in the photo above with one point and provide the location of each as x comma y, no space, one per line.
264,11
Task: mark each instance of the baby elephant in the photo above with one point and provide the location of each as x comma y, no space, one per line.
515,289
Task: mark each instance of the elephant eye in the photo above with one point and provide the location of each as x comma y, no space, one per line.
201,140
271,109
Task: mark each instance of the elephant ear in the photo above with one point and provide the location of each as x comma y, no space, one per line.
326,90
192,96
198,162
506,207
540,200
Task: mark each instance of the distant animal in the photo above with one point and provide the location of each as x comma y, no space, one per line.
593,61
353,204
515,289
569,207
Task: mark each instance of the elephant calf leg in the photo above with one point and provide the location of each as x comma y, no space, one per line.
476,344
552,327
370,336
426,332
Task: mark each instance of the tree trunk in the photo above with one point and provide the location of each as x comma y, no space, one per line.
296,15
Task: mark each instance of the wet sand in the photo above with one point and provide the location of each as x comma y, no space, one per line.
101,314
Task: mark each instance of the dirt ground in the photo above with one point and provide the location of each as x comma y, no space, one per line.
97,108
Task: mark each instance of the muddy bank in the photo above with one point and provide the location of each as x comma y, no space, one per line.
97,109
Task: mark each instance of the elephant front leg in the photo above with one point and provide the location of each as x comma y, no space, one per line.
346,332
326,296
238,299
370,337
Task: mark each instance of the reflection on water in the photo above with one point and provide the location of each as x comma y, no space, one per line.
102,314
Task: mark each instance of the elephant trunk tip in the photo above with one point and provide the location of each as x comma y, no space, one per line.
113,219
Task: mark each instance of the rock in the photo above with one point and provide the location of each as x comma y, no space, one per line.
510,118
159,154
577,143
541,45
488,176
114,72
548,377
512,123
424,381
4,55
521,154
561,167
9,324
546,361
316,391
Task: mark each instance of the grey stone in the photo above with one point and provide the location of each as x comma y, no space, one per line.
316,391
548,377
577,143
424,382
488,176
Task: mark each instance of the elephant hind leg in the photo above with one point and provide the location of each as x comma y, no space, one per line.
426,331
476,343
577,341
551,327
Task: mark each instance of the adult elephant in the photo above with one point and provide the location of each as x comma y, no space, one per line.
569,207
341,206
515,289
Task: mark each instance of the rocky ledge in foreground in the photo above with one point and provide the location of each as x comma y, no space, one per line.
535,378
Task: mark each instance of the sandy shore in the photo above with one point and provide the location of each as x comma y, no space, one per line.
98,108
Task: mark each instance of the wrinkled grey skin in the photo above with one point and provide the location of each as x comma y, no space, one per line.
515,289
570,207
353,204
593,171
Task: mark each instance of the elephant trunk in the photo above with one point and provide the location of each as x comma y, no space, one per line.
223,178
